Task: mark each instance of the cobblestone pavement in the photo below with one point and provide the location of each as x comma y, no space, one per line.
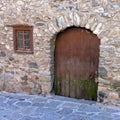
32,107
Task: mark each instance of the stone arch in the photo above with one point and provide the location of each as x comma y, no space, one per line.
90,22
64,21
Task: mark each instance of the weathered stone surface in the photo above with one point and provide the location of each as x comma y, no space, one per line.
1,80
113,95
76,19
103,81
11,58
2,53
95,3
24,77
40,24
107,15
113,6
34,73
102,71
32,107
33,65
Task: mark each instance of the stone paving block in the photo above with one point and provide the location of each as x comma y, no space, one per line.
117,118
38,99
65,111
70,105
28,110
76,117
39,104
89,108
30,118
5,113
23,104
102,117
2,99
51,116
83,114
52,103
2,118
44,110
62,98
16,116
30,107
12,107
11,101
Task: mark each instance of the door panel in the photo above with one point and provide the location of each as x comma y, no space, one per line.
76,63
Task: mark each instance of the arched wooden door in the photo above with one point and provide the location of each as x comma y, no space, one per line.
76,63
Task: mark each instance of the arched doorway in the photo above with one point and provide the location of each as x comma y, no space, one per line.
76,63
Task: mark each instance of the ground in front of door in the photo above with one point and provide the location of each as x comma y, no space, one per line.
32,107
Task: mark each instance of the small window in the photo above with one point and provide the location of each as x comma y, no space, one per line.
23,39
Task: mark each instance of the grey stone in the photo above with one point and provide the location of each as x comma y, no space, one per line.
107,15
23,104
117,118
76,117
36,90
95,3
24,107
31,84
2,53
61,22
65,111
11,58
33,65
89,108
5,114
102,71
16,116
61,9
45,110
40,24
51,116
70,105
24,77
112,6
8,76
1,70
101,80
12,107
76,19
116,84
39,104
101,96
102,117
53,103
29,118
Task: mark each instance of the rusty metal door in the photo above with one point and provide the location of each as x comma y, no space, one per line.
76,63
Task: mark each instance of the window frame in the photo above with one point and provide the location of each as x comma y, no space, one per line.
23,28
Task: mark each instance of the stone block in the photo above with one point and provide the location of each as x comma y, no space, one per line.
95,3
2,53
11,58
113,96
104,81
102,71
33,65
113,6
40,24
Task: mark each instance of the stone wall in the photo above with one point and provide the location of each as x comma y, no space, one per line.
34,73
